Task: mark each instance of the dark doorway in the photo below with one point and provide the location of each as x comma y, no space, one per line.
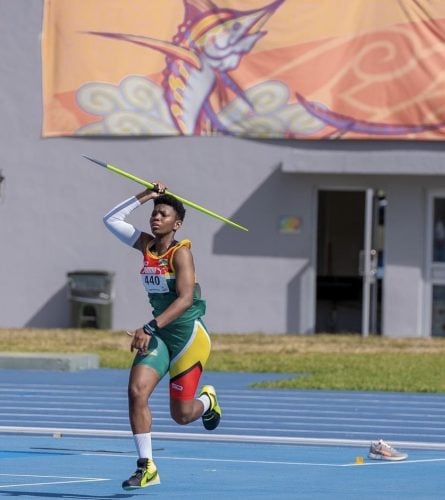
350,261
341,216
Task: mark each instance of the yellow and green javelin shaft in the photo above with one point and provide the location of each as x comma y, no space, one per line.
150,185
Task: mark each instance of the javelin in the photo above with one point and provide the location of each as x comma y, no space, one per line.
150,185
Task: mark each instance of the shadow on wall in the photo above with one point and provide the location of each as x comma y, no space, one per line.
260,213
55,313
294,298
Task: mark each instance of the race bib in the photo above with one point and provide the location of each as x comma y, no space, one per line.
154,282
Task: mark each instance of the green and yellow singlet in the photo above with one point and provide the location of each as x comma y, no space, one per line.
159,280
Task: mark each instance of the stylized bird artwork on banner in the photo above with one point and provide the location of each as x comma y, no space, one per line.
208,45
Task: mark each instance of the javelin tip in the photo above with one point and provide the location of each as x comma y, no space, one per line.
101,163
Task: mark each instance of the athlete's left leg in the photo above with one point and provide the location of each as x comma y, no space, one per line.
184,412
185,372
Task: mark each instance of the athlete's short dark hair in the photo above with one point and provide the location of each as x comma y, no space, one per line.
168,199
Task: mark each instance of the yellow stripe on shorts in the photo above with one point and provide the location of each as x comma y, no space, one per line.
196,350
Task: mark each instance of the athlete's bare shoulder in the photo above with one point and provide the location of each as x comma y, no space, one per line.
143,242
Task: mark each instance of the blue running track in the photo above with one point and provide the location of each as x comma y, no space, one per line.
66,435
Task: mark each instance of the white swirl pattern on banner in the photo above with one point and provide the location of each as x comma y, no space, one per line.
137,107
270,116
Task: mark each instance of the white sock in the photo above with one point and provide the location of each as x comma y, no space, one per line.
205,400
143,445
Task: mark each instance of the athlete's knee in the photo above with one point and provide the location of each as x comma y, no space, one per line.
182,418
141,384
135,391
136,395
182,414
138,392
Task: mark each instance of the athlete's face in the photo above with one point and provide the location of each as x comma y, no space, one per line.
164,220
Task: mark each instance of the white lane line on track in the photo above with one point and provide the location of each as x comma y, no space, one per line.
189,436
272,431
66,480
267,462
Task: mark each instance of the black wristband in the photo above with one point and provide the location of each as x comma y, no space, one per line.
150,328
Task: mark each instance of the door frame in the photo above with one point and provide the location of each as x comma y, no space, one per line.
368,272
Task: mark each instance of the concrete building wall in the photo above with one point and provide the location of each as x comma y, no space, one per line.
52,202
406,246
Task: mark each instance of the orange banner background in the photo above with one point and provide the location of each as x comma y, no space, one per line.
298,69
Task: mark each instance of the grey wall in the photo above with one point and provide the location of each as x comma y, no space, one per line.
406,248
52,203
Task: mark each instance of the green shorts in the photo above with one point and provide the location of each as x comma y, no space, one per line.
156,356
185,366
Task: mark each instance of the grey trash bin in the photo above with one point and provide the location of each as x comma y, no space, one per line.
91,299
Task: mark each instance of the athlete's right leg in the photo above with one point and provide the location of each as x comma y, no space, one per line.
142,383
143,380
146,372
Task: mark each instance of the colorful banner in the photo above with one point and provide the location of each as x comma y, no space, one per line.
292,69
